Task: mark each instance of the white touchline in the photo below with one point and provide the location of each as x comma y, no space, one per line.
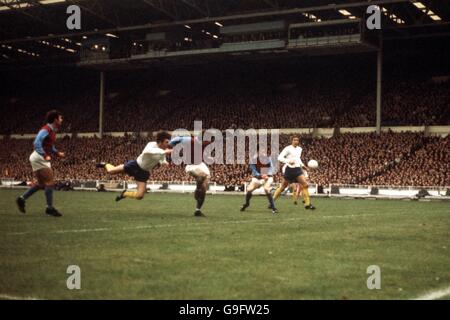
433,295
150,226
9,297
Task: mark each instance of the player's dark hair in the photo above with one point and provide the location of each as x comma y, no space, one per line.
161,136
52,115
294,137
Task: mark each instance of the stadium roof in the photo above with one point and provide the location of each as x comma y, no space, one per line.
36,31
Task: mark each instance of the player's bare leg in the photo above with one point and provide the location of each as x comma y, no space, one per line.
200,193
138,194
305,192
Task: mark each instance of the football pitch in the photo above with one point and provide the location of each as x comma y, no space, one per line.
156,249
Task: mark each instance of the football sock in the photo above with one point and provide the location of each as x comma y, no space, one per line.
200,198
248,196
49,196
305,193
130,194
272,204
277,193
30,192
108,166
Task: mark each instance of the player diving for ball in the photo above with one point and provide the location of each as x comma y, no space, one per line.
154,154
40,162
195,167
293,173
262,176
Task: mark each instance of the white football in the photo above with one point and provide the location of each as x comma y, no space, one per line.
313,164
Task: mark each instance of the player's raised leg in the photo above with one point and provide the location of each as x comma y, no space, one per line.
284,184
111,169
24,197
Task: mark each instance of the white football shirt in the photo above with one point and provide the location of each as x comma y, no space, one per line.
151,156
291,153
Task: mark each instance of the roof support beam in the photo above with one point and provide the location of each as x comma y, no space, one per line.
272,3
158,5
193,5
218,18
13,3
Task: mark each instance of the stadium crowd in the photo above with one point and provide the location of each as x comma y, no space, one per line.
241,105
259,97
397,159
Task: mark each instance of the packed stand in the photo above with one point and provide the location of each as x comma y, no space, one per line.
396,159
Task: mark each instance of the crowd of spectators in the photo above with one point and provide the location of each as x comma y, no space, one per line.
430,165
325,103
261,100
396,159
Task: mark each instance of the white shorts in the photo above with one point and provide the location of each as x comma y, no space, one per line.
262,182
37,162
196,170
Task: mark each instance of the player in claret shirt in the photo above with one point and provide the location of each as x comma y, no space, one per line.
262,176
40,159
195,167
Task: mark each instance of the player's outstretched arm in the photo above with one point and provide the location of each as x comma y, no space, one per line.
176,140
255,172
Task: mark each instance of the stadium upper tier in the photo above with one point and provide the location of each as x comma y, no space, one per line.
259,100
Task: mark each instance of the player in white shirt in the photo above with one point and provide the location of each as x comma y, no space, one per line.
296,188
153,154
292,170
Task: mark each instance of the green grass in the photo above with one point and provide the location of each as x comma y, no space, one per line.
156,249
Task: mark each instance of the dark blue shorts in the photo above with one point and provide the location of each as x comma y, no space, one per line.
132,169
291,174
